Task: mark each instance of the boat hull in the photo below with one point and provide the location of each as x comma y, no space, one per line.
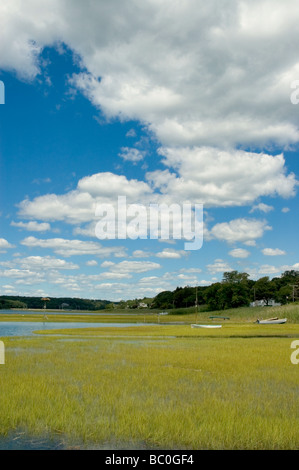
272,322
206,326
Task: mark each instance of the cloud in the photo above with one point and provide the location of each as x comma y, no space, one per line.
41,180
273,252
268,269
219,266
92,262
171,254
225,179
200,76
203,282
194,74
239,253
68,248
131,154
191,270
46,262
32,226
125,267
239,230
262,207
177,86
141,254
222,178
5,245
294,267
78,206
131,133
114,275
23,276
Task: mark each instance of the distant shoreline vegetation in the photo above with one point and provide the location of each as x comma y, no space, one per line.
65,303
234,291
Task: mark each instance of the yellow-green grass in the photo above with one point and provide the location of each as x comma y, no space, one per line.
155,387
240,315
232,330
70,317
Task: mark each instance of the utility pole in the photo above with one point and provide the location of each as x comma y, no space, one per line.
196,304
293,285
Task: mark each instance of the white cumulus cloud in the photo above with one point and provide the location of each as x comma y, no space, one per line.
240,230
273,252
239,253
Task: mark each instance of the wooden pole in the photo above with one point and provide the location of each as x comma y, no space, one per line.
196,306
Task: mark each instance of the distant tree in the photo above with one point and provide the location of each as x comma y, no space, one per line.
291,275
213,296
184,297
7,304
110,306
284,294
232,292
235,277
264,289
163,300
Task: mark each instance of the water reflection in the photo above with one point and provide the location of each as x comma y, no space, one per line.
27,328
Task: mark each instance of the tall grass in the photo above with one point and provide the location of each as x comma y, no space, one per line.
181,315
190,392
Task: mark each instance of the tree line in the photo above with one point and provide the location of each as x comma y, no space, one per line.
235,290
61,303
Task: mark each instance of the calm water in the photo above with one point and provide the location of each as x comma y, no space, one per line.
61,312
20,328
25,328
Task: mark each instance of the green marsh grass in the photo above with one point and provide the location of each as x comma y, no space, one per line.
160,386
180,316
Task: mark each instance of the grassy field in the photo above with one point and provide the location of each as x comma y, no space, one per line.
156,386
182,315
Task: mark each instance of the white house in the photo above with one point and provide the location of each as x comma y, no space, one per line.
263,303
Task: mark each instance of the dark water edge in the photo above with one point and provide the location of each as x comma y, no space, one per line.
15,441
23,441
63,312
19,328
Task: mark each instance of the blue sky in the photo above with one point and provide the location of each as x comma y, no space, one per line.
167,103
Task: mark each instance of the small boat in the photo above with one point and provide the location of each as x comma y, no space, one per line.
272,321
219,318
205,326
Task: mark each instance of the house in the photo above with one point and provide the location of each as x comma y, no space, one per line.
263,303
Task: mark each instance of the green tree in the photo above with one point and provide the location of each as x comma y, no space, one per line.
234,277
284,294
213,296
184,297
163,300
264,289
232,292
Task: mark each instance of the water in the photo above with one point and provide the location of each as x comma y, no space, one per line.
27,328
20,328
62,312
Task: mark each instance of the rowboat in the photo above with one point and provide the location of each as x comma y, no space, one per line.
272,321
205,326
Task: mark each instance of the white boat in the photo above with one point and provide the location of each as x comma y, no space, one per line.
205,326
272,321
